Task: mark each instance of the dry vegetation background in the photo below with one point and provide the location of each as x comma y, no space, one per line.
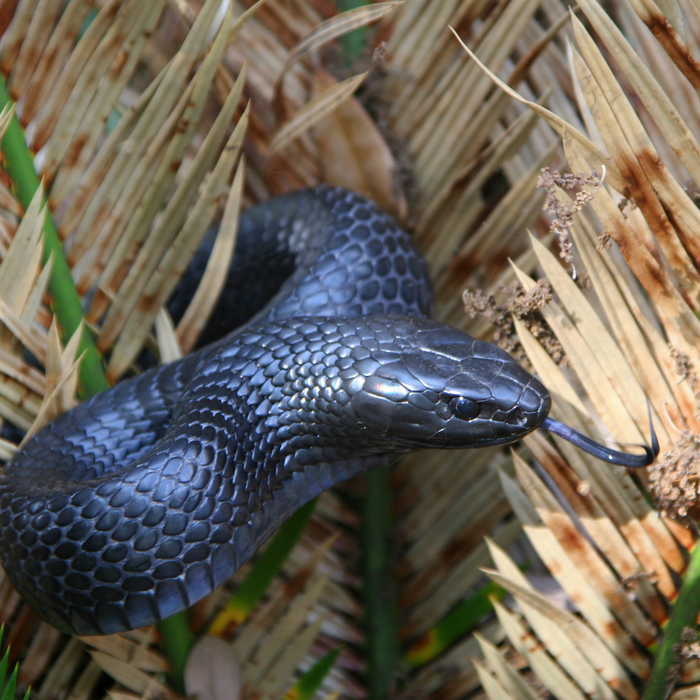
140,121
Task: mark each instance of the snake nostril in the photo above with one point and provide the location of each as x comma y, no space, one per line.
518,417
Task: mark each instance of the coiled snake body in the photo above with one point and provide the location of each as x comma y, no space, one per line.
139,502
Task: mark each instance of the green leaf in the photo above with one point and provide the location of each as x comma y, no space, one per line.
177,641
454,625
3,666
9,692
305,688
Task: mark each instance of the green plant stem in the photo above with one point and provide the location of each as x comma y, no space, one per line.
64,297
177,641
683,614
379,587
354,42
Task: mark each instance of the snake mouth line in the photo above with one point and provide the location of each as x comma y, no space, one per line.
600,451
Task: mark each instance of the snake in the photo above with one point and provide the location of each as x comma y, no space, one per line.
137,503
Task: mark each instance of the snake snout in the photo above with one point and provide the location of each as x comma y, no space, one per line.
516,404
446,389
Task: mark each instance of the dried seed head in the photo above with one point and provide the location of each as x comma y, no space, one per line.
553,181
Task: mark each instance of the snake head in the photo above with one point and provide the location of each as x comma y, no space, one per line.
439,387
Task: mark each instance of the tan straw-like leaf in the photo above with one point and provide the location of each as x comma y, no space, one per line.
312,112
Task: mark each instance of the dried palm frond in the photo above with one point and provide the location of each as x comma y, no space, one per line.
137,156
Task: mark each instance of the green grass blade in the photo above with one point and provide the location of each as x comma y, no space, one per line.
3,667
454,625
9,692
305,688
177,641
683,614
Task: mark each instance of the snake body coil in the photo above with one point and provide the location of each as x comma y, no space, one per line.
141,501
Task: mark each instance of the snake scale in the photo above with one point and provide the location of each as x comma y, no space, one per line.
142,500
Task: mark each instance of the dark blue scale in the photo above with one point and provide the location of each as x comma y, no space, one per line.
141,501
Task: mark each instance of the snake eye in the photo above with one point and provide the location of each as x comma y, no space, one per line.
463,408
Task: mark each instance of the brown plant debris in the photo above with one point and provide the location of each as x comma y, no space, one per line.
553,181
693,191
604,242
583,282
687,649
526,307
632,579
684,368
624,203
675,479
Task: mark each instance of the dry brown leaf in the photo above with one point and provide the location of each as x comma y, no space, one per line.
6,115
591,152
652,95
331,29
312,112
132,678
7,450
166,230
169,348
81,123
584,663
508,677
202,305
580,634
52,59
160,285
15,33
55,403
585,557
667,209
491,686
646,268
58,103
136,653
264,617
669,38
283,634
153,177
581,591
529,646
353,153
280,676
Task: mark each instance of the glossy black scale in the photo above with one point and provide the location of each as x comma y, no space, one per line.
141,501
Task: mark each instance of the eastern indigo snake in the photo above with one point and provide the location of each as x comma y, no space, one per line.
144,499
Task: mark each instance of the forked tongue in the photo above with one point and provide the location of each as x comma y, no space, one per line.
600,451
